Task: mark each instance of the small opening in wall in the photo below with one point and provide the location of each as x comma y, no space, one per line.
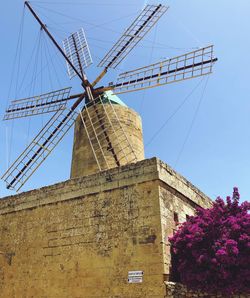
176,218
187,217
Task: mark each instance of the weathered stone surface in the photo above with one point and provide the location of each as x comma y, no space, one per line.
79,238
83,159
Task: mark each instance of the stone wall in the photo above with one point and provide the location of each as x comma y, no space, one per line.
80,238
177,290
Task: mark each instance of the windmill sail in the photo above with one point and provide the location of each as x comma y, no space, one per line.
139,28
77,50
193,64
40,147
41,104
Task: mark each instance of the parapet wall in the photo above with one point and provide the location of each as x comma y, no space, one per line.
143,171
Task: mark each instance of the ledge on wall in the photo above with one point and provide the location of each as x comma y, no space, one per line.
177,290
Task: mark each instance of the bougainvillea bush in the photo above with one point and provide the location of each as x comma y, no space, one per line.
211,251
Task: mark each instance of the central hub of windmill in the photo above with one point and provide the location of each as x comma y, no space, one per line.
106,136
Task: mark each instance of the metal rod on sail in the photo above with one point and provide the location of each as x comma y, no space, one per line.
53,40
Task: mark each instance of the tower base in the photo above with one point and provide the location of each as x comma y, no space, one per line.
104,235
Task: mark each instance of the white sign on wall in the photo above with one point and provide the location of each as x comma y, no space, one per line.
135,277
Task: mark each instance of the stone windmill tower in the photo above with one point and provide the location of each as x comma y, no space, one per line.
108,134
105,232
127,140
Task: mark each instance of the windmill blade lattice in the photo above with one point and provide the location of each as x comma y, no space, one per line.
193,64
41,104
139,28
40,147
77,50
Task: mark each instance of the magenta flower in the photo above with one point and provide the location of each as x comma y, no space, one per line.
211,251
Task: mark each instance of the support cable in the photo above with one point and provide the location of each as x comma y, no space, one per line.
78,20
19,41
30,62
19,58
150,61
101,26
33,80
82,3
192,123
52,62
45,66
36,59
187,30
47,63
173,114
42,53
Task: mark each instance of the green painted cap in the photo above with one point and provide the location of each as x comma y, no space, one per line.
113,98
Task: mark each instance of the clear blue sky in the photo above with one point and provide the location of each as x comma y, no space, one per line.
214,157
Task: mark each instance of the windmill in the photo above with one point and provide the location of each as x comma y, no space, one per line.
97,113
